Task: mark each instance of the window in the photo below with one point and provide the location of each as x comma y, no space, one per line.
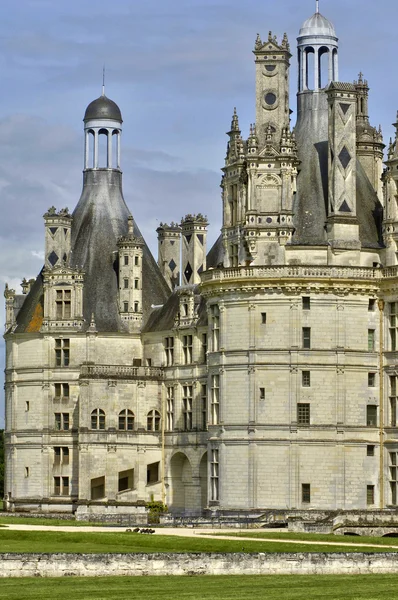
125,307
370,450
62,353
306,338
26,471
371,379
215,399
63,304
98,488
136,307
187,349
27,405
204,406
98,419
136,261
306,493
214,476
370,495
393,400
170,408
371,415
126,259
393,477
169,350
61,486
262,393
306,378
306,300
371,340
303,414
187,407
61,421
215,326
126,420
152,473
61,455
153,420
204,347
61,391
372,304
264,318
126,480
126,284
136,284
393,324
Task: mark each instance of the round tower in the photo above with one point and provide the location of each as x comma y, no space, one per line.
317,41
102,131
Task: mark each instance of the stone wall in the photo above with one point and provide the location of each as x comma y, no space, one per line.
96,565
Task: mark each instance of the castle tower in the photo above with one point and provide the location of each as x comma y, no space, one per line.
169,248
342,228
62,284
370,144
390,224
317,49
259,180
194,234
130,278
317,41
272,86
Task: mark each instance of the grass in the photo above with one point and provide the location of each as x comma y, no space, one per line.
253,587
46,521
93,543
313,537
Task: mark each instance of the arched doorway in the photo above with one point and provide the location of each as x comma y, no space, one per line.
180,499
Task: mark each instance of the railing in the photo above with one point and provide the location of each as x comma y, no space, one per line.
299,271
120,372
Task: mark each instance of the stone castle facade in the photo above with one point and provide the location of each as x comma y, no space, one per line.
259,375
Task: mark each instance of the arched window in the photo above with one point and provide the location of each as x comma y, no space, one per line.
103,159
98,419
153,420
126,420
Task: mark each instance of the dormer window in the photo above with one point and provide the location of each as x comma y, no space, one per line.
63,304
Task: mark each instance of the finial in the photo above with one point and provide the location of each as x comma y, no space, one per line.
317,6
103,80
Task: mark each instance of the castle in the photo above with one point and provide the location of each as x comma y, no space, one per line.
259,375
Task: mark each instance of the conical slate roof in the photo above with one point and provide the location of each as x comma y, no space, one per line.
99,220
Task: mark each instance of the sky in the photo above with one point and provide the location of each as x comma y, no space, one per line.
177,69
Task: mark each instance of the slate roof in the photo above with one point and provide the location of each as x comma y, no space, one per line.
103,108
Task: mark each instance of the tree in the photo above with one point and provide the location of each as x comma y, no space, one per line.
1,464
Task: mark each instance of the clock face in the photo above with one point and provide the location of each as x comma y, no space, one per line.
270,98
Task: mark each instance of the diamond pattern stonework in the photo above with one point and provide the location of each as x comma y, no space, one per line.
344,157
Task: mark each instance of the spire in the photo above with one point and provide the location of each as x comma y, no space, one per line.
235,121
317,6
103,80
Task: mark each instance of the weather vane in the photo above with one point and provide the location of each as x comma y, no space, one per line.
103,80
317,6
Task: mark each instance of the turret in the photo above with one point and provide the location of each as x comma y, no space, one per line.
130,278
370,144
390,224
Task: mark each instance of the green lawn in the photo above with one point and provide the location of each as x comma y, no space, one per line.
45,521
78,542
254,587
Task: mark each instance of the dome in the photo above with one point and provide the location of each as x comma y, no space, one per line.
317,25
103,108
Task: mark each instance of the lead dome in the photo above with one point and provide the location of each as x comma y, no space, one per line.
317,25
103,108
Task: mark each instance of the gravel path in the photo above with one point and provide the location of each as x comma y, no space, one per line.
191,532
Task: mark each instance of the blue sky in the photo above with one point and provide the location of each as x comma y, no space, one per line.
176,68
